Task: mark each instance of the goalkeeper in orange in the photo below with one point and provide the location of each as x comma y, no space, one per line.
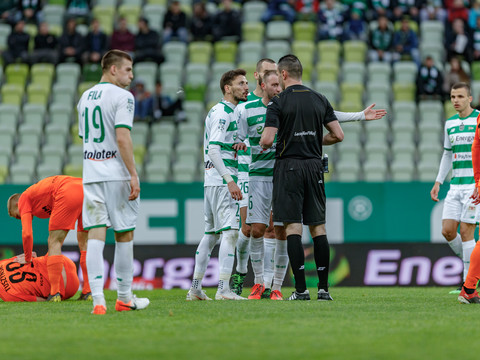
59,198
29,282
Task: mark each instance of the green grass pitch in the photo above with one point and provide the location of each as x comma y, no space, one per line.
361,323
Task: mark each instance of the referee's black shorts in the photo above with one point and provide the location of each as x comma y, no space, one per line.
299,191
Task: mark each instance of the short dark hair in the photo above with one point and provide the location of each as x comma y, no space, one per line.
462,85
114,57
261,61
267,74
291,64
229,76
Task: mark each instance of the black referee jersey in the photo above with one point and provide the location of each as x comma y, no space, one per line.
299,114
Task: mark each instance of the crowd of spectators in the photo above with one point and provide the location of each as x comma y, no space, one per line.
391,29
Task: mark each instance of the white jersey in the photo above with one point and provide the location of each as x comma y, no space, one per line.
251,123
101,110
220,129
459,135
244,157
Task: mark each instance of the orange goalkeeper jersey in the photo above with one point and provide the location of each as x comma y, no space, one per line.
27,282
59,198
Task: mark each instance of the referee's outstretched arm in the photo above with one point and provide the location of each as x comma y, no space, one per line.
268,136
334,135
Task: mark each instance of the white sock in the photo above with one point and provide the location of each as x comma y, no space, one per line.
226,256
243,252
124,269
269,262
468,247
202,256
456,246
95,269
281,264
256,257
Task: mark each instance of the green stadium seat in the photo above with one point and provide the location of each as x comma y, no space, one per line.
48,169
130,12
448,109
91,72
67,74
353,72
275,49
250,68
175,52
305,51
195,112
12,94
5,30
63,94
53,13
75,170
354,51
147,72
379,92
304,31
75,154
163,133
171,73
352,92
327,72
349,105
34,114
55,135
329,51
200,52
404,91
60,114
405,72
253,11
278,30
218,69
9,115
38,93
20,174
379,71
105,14
329,90
154,13
225,51
42,73
250,52
253,31
183,173
434,49
17,74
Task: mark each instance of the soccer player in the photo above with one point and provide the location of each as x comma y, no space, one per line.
60,199
110,182
458,208
21,281
244,158
220,188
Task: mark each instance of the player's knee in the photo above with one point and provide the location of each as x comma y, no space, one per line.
246,230
258,231
449,234
230,236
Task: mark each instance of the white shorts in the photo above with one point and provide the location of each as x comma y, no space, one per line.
106,204
243,185
260,202
220,210
458,206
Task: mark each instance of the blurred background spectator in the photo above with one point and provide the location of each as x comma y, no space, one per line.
331,18
30,11
454,73
71,43
96,44
356,27
122,38
381,40
79,9
45,49
17,45
227,23
164,105
457,40
307,10
8,10
405,43
147,43
284,8
429,81
175,23
201,23
143,100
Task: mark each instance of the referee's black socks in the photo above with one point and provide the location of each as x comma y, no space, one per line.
321,252
297,261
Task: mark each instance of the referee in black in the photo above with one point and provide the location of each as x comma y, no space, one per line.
299,115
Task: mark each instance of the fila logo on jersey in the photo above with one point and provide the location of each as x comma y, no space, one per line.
99,155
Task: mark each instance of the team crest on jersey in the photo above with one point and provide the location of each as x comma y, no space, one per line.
259,129
221,124
130,105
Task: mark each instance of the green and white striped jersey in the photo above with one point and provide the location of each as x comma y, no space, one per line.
220,129
459,135
251,123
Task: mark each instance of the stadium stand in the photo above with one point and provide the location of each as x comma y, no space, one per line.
38,100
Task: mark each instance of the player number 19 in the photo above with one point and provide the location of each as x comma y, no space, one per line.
96,115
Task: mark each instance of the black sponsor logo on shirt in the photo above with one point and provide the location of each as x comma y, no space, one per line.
99,155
